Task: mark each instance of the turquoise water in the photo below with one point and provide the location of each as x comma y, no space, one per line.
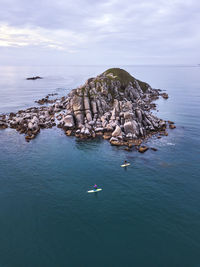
147,215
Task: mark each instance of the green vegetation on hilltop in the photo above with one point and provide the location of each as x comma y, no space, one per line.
124,77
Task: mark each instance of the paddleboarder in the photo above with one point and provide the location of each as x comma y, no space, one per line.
95,187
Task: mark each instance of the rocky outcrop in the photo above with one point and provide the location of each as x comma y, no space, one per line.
113,105
172,126
34,78
164,95
46,99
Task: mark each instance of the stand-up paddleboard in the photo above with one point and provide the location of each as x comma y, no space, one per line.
125,165
94,191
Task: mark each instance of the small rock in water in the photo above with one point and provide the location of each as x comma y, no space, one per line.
143,149
165,95
172,126
34,78
68,132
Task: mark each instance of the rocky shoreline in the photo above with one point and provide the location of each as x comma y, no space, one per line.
114,105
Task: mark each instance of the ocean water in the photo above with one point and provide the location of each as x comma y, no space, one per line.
146,215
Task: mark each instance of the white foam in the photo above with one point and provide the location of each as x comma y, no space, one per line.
170,144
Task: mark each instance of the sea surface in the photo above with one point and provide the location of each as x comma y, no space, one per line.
146,215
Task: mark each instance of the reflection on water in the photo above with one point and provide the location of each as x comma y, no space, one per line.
88,144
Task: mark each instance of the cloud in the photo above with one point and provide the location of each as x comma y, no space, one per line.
130,28
11,36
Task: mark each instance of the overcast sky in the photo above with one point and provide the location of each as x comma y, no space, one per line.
99,32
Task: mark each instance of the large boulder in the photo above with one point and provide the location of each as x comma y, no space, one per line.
87,132
128,115
138,114
77,103
79,115
87,108
131,127
69,122
94,106
113,116
30,126
117,132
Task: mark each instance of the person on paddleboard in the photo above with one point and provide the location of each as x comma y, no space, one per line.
95,187
125,162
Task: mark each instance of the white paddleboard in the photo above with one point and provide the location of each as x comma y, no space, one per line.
94,191
125,165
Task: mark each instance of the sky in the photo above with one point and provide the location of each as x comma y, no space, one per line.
89,32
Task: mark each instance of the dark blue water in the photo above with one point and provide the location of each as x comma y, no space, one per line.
147,215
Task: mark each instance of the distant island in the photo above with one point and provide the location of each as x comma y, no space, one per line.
34,78
113,105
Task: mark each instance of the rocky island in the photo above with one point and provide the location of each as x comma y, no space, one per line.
34,78
114,105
